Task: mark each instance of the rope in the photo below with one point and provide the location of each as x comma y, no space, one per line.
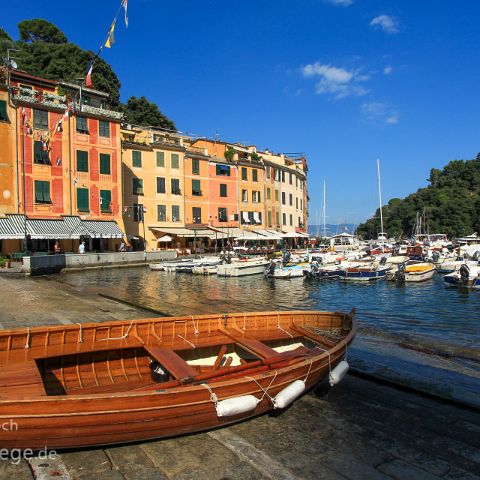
27,343
329,359
213,396
280,328
80,333
309,368
122,337
265,390
195,327
188,341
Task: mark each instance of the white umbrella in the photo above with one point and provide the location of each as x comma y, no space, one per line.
165,239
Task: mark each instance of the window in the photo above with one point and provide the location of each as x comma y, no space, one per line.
42,192
162,213
82,125
197,214
175,186
255,175
284,218
277,218
105,201
83,204
136,158
291,219
137,186
283,199
277,174
196,188
104,128
290,180
195,166
174,160
82,161
290,199
296,182
161,159
40,155
3,111
269,218
267,170
296,203
276,195
283,176
40,119
222,215
255,197
137,212
301,204
244,174
105,164
223,189
244,195
223,170
175,213
268,194
161,185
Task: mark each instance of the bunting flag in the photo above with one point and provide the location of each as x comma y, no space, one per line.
111,38
59,128
125,5
88,78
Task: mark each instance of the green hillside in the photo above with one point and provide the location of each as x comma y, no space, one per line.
451,204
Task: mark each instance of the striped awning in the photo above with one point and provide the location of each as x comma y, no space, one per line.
8,230
49,229
103,229
202,232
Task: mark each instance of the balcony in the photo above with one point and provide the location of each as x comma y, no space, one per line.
101,112
47,99
168,141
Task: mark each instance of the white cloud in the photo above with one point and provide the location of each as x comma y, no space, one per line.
388,70
335,80
341,3
386,23
378,112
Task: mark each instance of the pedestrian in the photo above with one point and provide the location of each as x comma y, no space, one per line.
81,248
122,247
56,248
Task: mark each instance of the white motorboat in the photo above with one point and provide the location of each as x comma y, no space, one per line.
468,277
240,269
413,271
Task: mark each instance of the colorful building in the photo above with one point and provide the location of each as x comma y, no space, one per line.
62,165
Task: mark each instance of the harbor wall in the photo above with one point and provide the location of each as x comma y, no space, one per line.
48,264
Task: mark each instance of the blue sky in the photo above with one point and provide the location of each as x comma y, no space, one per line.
345,81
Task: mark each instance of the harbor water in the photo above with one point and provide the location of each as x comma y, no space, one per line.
421,332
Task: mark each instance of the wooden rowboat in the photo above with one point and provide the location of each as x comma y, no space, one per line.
114,382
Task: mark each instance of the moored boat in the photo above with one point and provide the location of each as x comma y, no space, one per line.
105,383
242,268
413,271
364,274
468,276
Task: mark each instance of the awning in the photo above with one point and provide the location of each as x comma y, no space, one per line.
294,235
245,217
269,235
8,230
49,229
256,217
230,232
200,232
103,229
165,239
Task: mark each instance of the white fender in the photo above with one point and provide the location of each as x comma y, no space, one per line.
286,396
338,373
236,405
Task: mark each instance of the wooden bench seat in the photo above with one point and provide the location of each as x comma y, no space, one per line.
20,380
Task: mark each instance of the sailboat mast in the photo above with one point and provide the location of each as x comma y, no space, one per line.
324,212
380,195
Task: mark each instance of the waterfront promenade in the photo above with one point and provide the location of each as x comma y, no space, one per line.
361,429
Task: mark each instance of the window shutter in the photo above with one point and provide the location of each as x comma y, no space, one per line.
136,158
105,200
105,164
38,192
160,159
175,160
82,161
3,110
83,200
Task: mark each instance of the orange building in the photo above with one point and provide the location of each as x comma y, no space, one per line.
64,164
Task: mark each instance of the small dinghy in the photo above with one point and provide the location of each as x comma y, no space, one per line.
106,383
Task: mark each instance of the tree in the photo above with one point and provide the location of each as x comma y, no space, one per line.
5,43
140,111
39,30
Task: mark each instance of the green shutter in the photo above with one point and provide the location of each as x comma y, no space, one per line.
196,187
175,213
223,189
244,174
83,204
38,152
160,159
3,110
104,129
105,164
195,166
82,125
136,158
255,175
105,200
38,192
137,186
82,161
175,160
161,213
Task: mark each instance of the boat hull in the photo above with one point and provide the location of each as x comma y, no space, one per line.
241,269
59,421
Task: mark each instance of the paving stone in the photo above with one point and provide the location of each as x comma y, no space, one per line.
85,464
12,469
124,456
400,470
352,468
140,472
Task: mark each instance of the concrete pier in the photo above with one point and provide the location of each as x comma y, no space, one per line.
361,429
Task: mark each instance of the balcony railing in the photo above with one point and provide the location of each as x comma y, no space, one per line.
101,112
160,139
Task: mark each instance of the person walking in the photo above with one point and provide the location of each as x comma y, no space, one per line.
81,248
56,248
